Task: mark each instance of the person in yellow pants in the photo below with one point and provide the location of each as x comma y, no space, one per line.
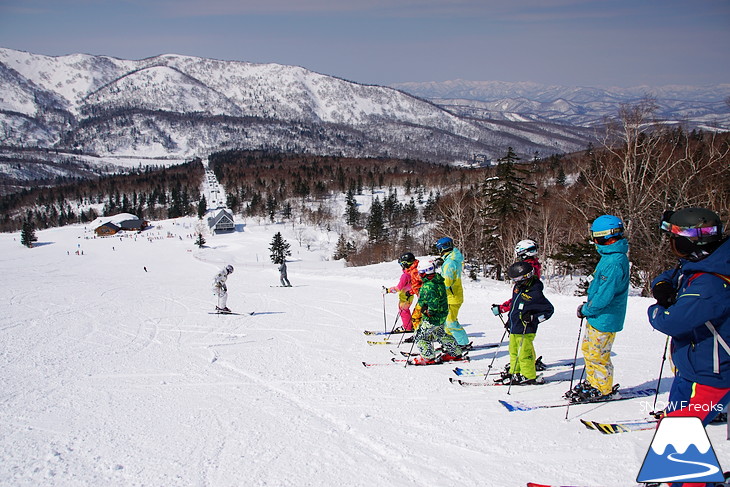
453,263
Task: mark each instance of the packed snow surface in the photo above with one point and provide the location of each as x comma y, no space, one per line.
114,372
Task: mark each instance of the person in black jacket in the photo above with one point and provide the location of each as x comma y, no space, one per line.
527,308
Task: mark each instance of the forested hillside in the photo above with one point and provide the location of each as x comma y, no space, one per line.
383,207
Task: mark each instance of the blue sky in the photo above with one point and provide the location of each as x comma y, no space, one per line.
566,42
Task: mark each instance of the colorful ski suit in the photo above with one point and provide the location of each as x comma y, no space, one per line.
451,271
605,312
699,324
527,309
408,286
433,307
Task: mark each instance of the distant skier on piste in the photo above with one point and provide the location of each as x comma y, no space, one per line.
527,309
430,315
451,269
604,310
693,308
408,286
220,289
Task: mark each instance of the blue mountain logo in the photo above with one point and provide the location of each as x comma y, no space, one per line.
680,452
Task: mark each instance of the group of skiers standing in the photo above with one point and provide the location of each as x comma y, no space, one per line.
692,308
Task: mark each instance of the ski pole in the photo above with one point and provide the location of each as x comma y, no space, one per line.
575,359
661,371
489,368
415,339
385,320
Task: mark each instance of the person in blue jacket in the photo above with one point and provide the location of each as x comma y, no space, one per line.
527,309
604,310
693,308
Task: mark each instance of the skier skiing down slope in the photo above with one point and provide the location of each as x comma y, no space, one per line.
693,308
430,314
453,263
408,286
220,289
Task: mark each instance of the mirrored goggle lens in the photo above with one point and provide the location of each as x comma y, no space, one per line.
688,231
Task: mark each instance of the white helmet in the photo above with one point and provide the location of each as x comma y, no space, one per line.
526,248
426,267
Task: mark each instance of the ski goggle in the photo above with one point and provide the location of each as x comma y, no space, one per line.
689,232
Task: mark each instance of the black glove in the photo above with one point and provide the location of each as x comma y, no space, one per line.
579,311
424,310
664,293
527,317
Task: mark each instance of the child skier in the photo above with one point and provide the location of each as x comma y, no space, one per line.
451,268
604,310
526,251
408,286
221,290
693,307
527,309
431,310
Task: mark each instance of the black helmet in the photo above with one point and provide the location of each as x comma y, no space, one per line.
519,271
694,232
407,259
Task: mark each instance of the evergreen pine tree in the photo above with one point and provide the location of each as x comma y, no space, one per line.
341,248
200,241
352,214
27,234
506,196
202,207
279,249
376,222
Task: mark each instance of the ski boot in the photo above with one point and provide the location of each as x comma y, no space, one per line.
447,357
539,365
591,394
224,310
421,360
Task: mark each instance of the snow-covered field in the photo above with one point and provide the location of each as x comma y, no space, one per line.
113,375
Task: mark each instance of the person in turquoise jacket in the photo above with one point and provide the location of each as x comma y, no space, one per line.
453,264
604,309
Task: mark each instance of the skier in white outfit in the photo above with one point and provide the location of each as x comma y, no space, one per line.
221,290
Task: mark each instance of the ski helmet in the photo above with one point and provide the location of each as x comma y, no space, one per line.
229,269
407,259
694,232
605,228
526,248
426,267
445,244
519,271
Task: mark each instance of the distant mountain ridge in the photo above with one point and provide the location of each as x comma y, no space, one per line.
80,114
91,110
703,107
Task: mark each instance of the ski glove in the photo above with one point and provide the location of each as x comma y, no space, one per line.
579,311
495,310
664,293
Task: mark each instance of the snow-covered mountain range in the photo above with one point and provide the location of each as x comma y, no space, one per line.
80,114
91,109
704,107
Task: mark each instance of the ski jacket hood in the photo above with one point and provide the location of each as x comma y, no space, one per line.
451,272
608,292
699,319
